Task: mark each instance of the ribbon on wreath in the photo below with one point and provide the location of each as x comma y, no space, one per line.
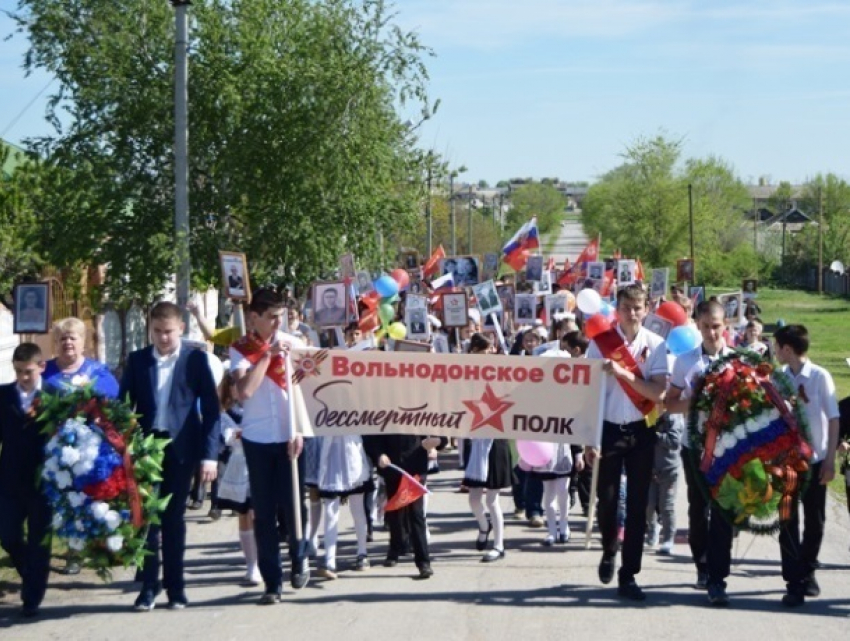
715,419
116,441
253,349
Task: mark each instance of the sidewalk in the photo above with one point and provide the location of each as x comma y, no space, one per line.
534,593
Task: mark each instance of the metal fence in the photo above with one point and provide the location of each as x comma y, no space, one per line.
833,283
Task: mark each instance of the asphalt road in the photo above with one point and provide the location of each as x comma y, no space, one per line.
534,593
570,243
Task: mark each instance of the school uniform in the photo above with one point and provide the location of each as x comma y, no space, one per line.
627,442
21,501
816,389
487,464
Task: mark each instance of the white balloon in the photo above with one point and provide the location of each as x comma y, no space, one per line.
589,301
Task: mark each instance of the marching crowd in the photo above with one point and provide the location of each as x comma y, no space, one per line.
234,431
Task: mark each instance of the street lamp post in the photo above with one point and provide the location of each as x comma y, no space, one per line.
691,217
181,150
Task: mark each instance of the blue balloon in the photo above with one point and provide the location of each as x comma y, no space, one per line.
683,339
386,286
606,309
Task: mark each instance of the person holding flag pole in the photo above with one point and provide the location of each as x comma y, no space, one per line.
271,443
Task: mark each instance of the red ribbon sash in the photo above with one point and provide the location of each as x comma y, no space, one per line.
252,348
612,346
116,441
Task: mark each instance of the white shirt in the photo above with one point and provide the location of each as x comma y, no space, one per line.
650,352
27,398
265,417
687,370
164,378
815,384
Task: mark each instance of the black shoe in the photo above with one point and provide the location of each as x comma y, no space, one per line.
717,595
214,514
194,505
702,580
177,601
270,598
300,574
631,591
606,568
793,598
425,572
811,586
72,567
146,601
480,544
390,562
29,611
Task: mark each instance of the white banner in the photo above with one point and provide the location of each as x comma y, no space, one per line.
459,396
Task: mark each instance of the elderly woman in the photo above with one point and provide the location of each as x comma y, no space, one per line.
71,369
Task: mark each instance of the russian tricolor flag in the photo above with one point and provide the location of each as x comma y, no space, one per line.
515,252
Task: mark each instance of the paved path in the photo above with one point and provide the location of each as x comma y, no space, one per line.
570,243
534,593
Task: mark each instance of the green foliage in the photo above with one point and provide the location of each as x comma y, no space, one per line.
536,199
296,150
835,195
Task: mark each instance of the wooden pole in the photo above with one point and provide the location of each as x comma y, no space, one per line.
591,508
820,240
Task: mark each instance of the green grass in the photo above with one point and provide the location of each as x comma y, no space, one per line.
828,321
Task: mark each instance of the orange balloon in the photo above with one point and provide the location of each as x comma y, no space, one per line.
371,300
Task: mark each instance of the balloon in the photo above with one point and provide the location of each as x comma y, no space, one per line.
401,277
589,301
683,339
571,299
534,453
596,325
607,309
369,322
386,286
672,312
386,312
397,331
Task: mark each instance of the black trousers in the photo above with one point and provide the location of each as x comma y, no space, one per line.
697,512
31,554
799,556
270,479
176,480
718,550
407,523
630,447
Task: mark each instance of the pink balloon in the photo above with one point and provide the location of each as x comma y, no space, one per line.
534,453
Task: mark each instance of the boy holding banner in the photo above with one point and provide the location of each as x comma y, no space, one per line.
636,364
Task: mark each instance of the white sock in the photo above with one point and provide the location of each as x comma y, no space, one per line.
550,498
497,518
476,504
249,549
331,510
312,530
361,527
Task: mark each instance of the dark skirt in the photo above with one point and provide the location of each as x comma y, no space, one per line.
548,476
239,508
368,486
500,472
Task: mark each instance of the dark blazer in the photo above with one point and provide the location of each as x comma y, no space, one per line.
22,444
193,405
404,450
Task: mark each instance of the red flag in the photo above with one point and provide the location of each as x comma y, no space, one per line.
607,283
639,274
551,264
369,322
590,254
433,265
409,491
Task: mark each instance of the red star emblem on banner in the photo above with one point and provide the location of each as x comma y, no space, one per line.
488,410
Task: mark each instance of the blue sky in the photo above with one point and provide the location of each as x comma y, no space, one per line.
559,87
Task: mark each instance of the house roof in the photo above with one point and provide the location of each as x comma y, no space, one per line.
763,214
793,216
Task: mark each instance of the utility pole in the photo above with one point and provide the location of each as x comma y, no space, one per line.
820,240
181,150
469,222
452,212
755,234
428,221
691,217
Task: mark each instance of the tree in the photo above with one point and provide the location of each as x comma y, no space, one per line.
296,151
641,206
483,184
835,194
780,200
20,246
535,199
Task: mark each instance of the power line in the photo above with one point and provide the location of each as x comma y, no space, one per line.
25,109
